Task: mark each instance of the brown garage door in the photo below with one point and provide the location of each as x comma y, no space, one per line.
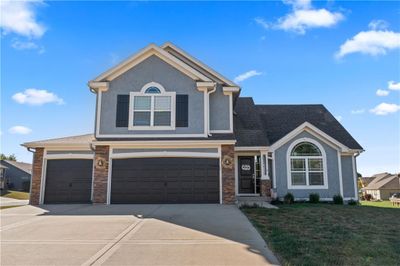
68,181
165,180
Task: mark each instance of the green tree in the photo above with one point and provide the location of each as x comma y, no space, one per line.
11,157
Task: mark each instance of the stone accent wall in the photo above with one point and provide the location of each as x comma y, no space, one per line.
100,175
36,178
265,187
228,174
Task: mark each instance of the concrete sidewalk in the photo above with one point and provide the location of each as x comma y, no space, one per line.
4,201
131,235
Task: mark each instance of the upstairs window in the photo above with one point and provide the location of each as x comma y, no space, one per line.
152,108
307,167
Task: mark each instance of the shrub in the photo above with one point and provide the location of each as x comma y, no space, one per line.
337,199
352,202
289,198
314,197
368,197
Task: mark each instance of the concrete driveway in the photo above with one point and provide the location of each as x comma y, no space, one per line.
130,235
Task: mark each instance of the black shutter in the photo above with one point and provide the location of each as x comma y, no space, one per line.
122,111
182,110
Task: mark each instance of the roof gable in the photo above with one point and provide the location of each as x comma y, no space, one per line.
208,71
145,53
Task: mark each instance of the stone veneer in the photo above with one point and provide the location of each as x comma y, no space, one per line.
265,187
228,176
100,175
36,179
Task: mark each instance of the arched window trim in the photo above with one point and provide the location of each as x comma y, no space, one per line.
152,110
324,165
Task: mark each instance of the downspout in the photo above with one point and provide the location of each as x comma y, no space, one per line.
208,108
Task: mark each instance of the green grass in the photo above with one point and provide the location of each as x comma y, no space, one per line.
15,194
382,204
327,234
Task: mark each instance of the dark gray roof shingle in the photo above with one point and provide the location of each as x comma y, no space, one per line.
279,120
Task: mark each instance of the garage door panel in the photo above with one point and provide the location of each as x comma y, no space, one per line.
165,180
68,181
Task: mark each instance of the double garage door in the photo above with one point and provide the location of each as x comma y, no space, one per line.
137,180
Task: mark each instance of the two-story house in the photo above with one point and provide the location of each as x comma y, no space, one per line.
169,129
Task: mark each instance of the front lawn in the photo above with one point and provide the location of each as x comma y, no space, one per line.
382,204
327,234
15,194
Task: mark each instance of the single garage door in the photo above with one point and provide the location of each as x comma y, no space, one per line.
165,180
68,181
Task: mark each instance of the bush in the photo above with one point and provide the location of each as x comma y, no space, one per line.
352,202
289,198
337,199
368,197
314,197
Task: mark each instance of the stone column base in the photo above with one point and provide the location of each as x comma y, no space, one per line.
265,187
100,175
36,180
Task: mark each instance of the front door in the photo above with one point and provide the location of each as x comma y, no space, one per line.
246,175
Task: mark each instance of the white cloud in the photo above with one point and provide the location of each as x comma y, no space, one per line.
385,108
301,20
373,42
19,17
26,45
20,130
358,111
36,97
339,118
378,24
394,85
247,75
303,17
380,92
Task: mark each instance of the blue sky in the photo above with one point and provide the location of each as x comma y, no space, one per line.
335,53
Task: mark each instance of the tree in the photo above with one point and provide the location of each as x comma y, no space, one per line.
11,157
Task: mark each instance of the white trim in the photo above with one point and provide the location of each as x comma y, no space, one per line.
324,165
164,154
264,174
340,173
43,178
164,143
355,178
152,84
251,148
109,173
233,89
220,173
198,63
306,126
236,174
99,86
206,117
145,53
273,171
133,136
69,156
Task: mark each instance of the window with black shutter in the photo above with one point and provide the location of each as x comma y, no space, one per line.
182,110
122,111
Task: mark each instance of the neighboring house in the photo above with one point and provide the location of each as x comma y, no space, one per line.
169,129
383,186
17,175
2,175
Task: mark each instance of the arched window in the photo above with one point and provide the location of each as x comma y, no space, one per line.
307,165
152,108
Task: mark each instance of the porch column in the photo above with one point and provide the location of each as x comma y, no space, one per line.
228,174
265,182
36,179
100,175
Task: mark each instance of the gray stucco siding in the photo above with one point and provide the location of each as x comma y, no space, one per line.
219,110
348,176
153,69
282,173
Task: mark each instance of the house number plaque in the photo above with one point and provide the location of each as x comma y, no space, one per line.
227,162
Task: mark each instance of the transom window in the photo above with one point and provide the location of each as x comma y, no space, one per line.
307,166
152,108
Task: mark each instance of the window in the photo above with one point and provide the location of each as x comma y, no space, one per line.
307,166
152,108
